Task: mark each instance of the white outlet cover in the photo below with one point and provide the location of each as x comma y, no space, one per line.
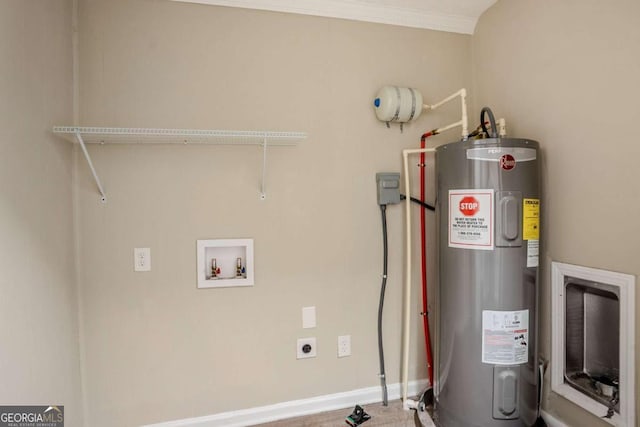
141,259
344,345
300,354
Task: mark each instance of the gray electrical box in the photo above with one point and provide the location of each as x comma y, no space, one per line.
388,184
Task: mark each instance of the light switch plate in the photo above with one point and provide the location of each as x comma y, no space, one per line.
308,317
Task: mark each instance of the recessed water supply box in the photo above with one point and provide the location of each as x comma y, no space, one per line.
592,341
592,356
225,263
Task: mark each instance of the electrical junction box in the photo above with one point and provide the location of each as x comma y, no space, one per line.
388,186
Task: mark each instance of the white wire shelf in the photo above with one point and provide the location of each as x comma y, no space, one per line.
110,135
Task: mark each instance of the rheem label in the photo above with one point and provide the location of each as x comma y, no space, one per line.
471,219
507,162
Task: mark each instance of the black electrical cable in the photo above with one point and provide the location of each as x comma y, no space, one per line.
383,380
418,201
492,121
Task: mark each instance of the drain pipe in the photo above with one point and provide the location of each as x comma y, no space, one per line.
407,403
406,324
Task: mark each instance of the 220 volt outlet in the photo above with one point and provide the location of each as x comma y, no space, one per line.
306,348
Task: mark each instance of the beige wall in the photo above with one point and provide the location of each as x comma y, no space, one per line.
156,347
566,73
39,362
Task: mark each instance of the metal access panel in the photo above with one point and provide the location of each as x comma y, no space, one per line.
592,338
488,236
505,392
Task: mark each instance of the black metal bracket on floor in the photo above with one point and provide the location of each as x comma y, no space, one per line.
357,417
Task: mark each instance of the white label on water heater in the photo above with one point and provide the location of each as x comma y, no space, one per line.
505,337
533,249
471,219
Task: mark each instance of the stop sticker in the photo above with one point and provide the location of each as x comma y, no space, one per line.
471,218
469,206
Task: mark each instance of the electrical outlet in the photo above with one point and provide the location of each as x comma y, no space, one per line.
344,345
306,348
142,259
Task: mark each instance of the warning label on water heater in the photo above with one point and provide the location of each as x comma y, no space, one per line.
471,219
530,219
505,337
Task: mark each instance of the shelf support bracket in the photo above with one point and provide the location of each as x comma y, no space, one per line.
103,196
263,186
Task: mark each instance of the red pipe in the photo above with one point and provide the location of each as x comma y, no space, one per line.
423,261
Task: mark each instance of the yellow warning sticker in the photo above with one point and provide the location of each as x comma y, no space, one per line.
531,219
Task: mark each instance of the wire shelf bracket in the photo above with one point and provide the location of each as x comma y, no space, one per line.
263,185
103,196
108,135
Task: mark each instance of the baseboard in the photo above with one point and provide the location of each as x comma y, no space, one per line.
551,420
295,408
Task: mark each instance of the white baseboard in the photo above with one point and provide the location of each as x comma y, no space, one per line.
295,408
551,420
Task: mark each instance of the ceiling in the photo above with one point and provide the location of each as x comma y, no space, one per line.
457,16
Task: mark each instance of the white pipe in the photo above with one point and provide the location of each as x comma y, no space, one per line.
447,127
502,127
462,93
447,99
407,404
465,118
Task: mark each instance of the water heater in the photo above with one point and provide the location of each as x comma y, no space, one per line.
488,230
